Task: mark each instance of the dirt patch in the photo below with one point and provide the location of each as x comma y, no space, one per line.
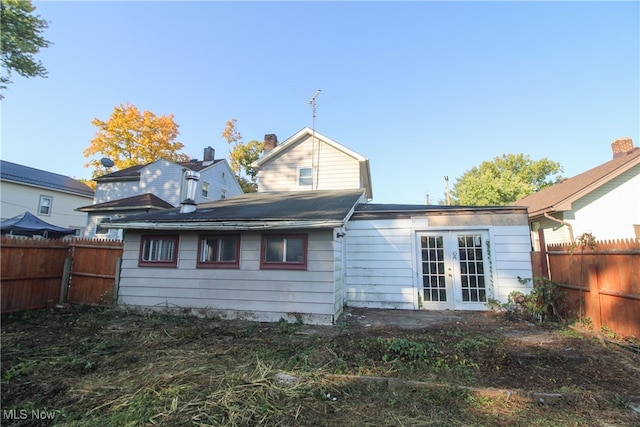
107,367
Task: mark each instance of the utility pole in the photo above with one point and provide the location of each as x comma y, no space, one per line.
446,190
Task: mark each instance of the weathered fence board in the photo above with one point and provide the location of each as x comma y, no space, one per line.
33,271
601,283
93,271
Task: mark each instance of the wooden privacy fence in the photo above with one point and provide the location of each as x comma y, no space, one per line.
32,271
95,270
39,273
602,284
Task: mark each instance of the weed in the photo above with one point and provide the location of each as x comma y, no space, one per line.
21,369
540,304
608,333
618,402
286,328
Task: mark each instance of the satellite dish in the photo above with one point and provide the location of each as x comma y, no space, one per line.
106,162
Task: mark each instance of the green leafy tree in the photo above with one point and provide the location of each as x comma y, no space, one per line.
131,138
21,38
504,180
242,155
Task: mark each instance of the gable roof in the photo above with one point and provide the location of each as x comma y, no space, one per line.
365,169
560,196
133,173
20,174
141,201
255,211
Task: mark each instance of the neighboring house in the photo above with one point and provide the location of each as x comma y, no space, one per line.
306,254
157,185
311,161
305,246
50,196
603,201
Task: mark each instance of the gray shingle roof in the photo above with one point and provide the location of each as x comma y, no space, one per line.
294,208
26,175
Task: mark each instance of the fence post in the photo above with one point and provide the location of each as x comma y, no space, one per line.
594,312
64,284
116,282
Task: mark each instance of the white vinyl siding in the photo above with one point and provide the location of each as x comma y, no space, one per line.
511,253
382,260
249,292
109,191
610,211
380,271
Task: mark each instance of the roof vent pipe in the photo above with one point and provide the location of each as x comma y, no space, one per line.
188,205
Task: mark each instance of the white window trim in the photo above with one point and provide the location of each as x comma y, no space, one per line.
299,169
40,205
202,189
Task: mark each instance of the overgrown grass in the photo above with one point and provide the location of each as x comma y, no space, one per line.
111,368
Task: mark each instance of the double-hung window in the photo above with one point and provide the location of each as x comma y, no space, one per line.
284,252
159,251
305,177
221,251
44,207
205,190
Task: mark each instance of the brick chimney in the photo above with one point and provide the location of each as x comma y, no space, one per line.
621,146
209,154
270,141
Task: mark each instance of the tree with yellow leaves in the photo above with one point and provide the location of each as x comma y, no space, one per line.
131,138
242,155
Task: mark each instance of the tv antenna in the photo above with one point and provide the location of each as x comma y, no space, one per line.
312,102
314,153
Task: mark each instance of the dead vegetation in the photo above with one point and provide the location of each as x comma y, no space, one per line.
90,366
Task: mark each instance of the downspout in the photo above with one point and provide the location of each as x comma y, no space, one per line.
546,215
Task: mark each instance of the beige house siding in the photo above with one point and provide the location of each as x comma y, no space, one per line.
333,169
264,295
18,198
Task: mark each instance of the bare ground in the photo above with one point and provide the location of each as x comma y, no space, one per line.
88,366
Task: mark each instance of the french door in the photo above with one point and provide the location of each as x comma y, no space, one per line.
454,270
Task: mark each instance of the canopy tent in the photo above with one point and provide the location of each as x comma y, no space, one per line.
27,224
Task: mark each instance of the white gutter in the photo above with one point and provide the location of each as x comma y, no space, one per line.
563,223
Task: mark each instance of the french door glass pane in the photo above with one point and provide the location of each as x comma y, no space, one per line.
472,268
433,271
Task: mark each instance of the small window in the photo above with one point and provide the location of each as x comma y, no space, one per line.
219,251
101,229
44,208
305,177
205,189
159,251
223,194
284,252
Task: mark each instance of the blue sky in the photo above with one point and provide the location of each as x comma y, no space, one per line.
423,89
